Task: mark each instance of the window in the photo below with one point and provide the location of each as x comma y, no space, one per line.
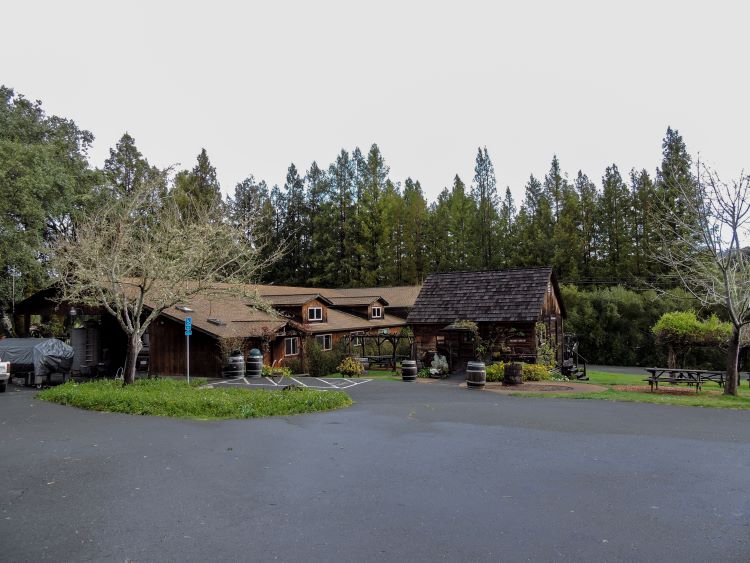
324,341
384,331
291,346
315,314
377,312
356,340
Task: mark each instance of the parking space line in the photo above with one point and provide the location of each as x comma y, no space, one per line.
355,383
326,382
268,382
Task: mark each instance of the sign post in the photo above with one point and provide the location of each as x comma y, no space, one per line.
188,332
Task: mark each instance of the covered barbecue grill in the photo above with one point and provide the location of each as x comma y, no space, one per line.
35,359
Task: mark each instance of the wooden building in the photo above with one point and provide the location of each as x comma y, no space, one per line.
228,322
514,310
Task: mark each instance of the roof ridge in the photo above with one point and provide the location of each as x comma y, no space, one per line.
530,268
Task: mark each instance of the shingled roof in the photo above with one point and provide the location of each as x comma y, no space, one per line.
495,296
396,297
356,301
294,299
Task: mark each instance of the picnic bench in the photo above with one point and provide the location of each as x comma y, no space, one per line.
384,361
690,376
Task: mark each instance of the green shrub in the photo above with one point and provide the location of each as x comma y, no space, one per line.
536,372
684,327
295,365
424,373
495,372
276,371
613,325
321,362
350,367
531,372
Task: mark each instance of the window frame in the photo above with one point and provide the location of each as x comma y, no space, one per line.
295,345
355,337
380,312
309,313
327,336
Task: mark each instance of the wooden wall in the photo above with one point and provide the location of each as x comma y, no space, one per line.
552,317
457,347
167,350
277,347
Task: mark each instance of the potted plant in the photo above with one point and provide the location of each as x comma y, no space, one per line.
439,366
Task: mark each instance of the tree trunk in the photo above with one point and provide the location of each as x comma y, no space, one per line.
134,346
733,354
671,357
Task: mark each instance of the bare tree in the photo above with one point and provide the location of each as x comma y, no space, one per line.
705,251
141,254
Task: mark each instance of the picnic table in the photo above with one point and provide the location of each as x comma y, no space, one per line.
386,361
685,375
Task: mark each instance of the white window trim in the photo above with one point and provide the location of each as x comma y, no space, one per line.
309,314
295,346
380,313
355,336
323,337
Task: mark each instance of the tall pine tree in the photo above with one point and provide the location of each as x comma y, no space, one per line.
484,194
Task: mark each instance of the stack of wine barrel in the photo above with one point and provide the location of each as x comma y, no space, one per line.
254,363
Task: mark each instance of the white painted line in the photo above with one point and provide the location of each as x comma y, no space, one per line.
326,382
355,383
296,381
272,381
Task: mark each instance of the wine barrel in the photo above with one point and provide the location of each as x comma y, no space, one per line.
235,366
254,363
513,374
476,376
409,370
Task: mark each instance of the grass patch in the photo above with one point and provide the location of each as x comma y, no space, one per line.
711,396
175,398
714,399
606,378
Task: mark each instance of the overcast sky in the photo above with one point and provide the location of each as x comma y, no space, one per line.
263,84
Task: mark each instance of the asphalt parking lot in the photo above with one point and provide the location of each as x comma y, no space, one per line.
409,473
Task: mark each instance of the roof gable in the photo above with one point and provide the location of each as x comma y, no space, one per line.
490,296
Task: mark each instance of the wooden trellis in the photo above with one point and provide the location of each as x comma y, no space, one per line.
379,339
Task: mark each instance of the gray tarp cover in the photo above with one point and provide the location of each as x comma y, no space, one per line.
46,355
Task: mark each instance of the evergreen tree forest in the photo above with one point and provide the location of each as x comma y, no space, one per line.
349,223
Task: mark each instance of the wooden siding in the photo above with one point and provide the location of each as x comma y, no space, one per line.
313,304
167,350
552,317
459,349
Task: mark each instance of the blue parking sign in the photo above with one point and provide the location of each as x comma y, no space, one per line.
188,326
